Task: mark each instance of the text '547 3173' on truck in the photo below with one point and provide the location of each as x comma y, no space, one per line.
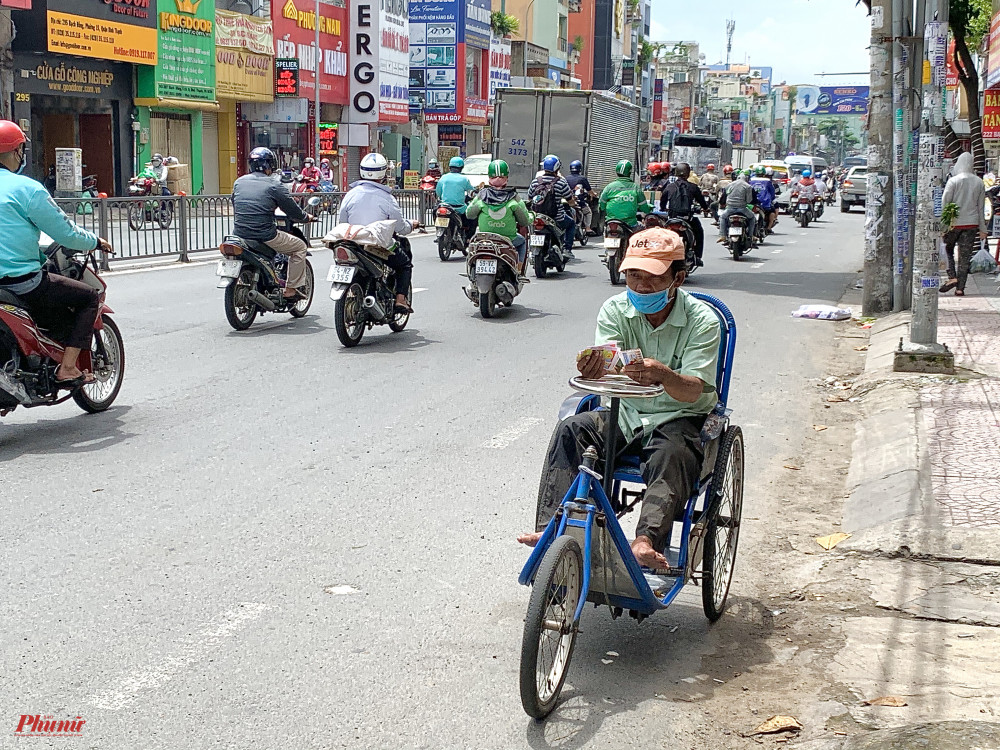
596,129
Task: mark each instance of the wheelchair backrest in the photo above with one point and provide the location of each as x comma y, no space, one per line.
727,344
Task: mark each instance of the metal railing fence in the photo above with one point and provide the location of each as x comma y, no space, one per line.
161,226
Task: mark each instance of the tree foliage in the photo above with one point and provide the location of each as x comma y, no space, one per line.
970,19
504,24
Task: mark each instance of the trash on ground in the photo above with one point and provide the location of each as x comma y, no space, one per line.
861,348
820,427
778,724
831,541
822,312
892,701
793,468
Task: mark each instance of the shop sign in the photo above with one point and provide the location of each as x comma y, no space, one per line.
380,50
993,53
477,24
243,75
286,77
280,110
295,37
991,113
658,100
122,30
831,100
240,31
411,179
52,74
328,132
450,134
628,72
499,68
186,67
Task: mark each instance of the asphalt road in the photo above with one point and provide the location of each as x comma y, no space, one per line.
274,542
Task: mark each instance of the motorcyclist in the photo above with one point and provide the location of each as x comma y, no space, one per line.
576,177
737,199
550,183
679,199
622,200
369,200
804,187
821,186
156,170
709,181
764,188
654,172
433,170
310,172
26,210
256,196
453,189
498,210
325,170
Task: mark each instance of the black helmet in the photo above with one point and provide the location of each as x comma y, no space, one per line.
576,167
683,170
263,160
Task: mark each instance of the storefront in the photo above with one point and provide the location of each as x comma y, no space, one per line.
73,102
178,113
288,126
244,72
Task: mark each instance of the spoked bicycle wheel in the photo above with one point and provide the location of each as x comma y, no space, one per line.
722,532
549,627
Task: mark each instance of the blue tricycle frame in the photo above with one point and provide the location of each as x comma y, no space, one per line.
605,571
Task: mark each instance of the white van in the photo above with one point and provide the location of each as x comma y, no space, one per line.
798,164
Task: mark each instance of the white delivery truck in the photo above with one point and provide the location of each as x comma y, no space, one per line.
587,125
700,150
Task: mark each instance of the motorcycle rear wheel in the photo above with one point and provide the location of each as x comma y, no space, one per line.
613,272
345,314
240,310
488,303
99,395
444,246
540,266
165,214
302,306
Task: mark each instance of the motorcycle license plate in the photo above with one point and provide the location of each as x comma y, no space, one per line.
735,232
441,221
538,240
612,243
486,266
341,274
229,269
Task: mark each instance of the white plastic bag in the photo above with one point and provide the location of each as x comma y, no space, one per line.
982,261
822,312
379,233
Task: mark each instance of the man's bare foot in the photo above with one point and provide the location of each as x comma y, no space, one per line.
643,550
66,374
530,539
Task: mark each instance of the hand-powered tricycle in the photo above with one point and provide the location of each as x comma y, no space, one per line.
583,554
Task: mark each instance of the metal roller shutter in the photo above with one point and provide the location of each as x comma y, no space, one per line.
210,152
614,136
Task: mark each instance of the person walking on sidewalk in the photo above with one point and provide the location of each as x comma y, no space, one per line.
967,191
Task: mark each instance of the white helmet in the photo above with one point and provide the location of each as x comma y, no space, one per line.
374,167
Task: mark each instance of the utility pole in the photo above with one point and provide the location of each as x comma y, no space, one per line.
923,352
902,259
877,296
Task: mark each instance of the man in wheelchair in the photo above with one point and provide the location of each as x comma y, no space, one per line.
679,338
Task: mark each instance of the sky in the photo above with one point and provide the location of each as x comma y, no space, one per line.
797,38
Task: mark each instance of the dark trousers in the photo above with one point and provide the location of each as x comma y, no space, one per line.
671,462
401,262
966,241
58,301
568,225
699,235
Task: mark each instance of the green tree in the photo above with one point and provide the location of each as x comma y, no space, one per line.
970,21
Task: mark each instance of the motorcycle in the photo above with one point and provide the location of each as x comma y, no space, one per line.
158,212
582,232
760,225
546,242
450,231
818,206
802,210
30,354
682,228
254,275
616,237
738,239
305,185
495,275
287,176
428,183
363,285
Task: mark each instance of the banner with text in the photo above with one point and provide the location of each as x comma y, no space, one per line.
295,37
186,67
122,30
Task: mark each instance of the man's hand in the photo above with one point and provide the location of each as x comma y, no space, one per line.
983,236
105,246
591,367
646,371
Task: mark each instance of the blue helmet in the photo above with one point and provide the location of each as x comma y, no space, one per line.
263,160
807,173
551,163
576,167
457,162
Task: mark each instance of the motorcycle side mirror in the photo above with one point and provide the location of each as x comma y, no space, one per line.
313,201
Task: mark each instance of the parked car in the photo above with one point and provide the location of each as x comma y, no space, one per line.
853,189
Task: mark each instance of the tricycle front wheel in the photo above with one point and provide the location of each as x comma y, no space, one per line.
550,626
722,532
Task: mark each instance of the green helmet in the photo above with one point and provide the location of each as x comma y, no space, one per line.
498,168
624,169
457,162
759,170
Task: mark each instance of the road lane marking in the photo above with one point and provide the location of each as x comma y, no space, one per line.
193,649
757,265
420,289
505,437
792,242
777,250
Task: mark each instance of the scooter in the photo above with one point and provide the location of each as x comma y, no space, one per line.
616,237
802,210
494,272
582,233
738,239
818,206
450,227
546,241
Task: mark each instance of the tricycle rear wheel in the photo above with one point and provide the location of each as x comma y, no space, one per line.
722,532
550,627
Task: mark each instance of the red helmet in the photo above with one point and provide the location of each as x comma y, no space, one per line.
665,167
11,136
728,169
710,168
654,168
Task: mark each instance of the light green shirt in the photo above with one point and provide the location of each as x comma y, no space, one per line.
687,342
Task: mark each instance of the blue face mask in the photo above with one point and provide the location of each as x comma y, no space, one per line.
650,304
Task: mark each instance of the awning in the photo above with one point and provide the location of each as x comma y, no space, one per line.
166,103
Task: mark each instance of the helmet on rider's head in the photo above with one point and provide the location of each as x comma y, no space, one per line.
683,170
262,159
653,168
324,162
624,169
710,168
157,160
498,168
457,163
576,167
759,170
309,161
433,164
551,164
728,169
665,167
807,173
768,171
374,167
11,136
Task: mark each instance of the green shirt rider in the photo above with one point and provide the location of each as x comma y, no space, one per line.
498,209
622,199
